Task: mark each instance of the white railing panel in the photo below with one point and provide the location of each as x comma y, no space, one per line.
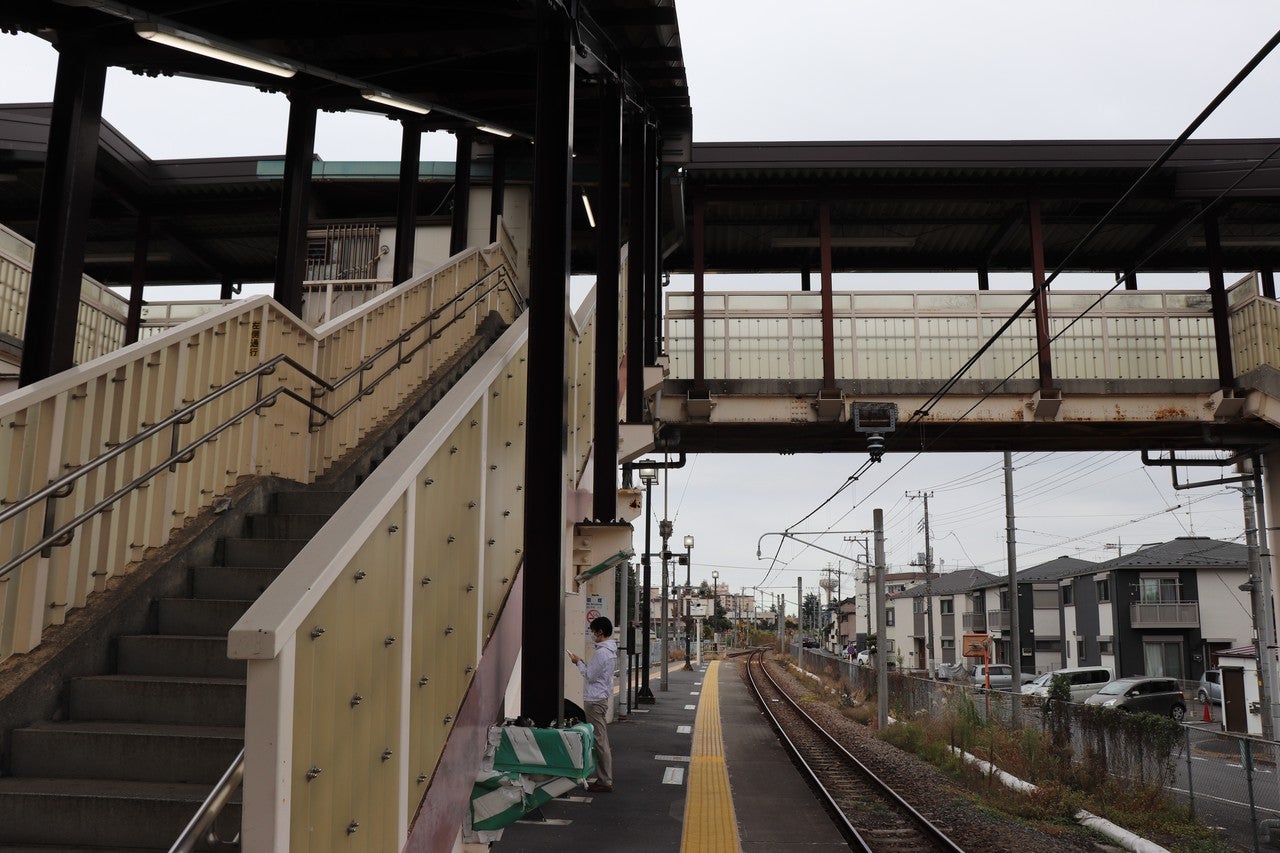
71,424
928,336
405,581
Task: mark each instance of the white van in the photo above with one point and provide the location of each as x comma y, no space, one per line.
1085,681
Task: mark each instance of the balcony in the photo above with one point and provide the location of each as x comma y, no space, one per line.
973,622
1165,614
997,620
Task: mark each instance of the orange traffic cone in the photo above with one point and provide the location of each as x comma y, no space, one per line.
1208,718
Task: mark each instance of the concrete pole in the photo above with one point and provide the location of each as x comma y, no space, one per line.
1267,664
1015,639
800,608
698,648
882,650
782,623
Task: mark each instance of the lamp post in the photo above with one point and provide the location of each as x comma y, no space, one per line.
664,648
688,595
715,601
648,476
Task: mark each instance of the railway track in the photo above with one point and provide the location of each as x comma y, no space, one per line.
870,814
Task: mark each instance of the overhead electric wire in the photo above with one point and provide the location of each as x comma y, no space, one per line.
1203,116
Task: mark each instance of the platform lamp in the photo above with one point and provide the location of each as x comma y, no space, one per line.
648,476
688,596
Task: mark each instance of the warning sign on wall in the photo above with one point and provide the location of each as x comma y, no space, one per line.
595,608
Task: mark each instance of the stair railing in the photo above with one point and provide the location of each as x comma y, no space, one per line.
52,428
200,827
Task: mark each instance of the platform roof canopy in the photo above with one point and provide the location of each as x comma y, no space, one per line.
930,206
472,62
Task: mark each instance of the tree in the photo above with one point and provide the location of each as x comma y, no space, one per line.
812,609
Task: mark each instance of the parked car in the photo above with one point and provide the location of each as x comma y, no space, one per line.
1210,687
1001,676
809,643
863,658
1084,681
1153,695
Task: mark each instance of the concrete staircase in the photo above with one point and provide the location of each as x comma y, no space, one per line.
140,748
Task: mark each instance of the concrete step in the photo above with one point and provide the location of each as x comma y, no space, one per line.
284,526
135,752
199,617
324,503
157,699
69,813
176,654
242,583
270,553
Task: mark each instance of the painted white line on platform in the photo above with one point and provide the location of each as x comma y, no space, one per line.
673,776
691,707
639,710
697,683
548,822
684,730
693,693
671,758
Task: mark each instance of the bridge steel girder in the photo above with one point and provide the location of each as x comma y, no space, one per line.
965,422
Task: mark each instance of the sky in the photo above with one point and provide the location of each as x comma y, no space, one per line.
858,70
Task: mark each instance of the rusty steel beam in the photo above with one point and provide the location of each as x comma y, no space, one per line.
1044,358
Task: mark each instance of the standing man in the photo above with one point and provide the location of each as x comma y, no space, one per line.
595,698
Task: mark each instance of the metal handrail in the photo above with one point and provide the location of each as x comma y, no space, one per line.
62,487
200,827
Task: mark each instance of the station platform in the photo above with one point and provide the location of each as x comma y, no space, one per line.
699,770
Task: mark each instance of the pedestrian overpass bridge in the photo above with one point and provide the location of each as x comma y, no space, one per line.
1131,371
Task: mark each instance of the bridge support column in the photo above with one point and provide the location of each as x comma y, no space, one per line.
653,249
141,240
637,234
699,296
407,201
828,313
1270,547
604,488
291,251
1218,301
497,188
53,303
1044,358
542,659
461,193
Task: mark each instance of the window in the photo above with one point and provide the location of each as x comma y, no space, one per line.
1104,590
1105,647
1163,656
1080,649
1068,595
888,616
946,605
948,642
1157,590
1045,599
1054,645
889,647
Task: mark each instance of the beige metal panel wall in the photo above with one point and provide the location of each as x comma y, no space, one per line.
401,580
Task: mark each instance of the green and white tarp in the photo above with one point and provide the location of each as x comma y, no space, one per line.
551,752
525,768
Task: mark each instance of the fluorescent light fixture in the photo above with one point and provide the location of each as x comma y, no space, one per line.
206,47
846,242
392,101
496,131
1236,242
586,205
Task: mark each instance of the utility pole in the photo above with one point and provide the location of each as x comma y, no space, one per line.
1015,636
782,622
1260,596
928,581
800,608
882,646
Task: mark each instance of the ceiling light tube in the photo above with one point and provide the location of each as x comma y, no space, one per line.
586,204
392,101
206,47
496,131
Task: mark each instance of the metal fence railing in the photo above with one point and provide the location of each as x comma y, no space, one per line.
1226,779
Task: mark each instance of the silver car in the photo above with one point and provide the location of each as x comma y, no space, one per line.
1210,687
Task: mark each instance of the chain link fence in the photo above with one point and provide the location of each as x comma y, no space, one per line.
1226,779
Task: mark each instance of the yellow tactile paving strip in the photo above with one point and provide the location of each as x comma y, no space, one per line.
709,823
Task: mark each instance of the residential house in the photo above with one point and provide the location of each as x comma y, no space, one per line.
1169,609
943,600
1057,616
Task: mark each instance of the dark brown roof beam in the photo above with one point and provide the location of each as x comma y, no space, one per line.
662,16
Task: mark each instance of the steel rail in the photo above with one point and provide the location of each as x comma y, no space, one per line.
64,485
200,827
927,827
